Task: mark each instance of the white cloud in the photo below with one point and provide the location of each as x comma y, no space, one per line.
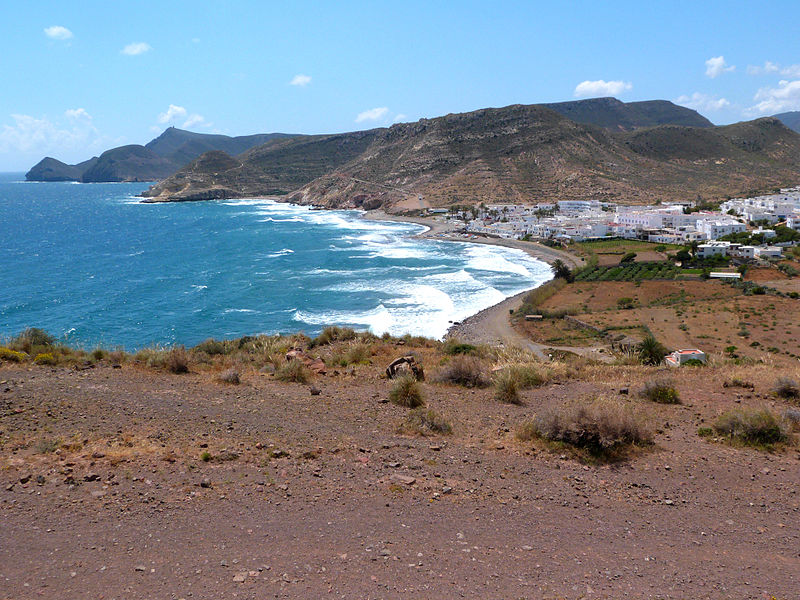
28,139
703,102
173,113
77,113
196,120
57,32
373,114
783,98
716,66
300,80
399,118
136,48
770,68
601,88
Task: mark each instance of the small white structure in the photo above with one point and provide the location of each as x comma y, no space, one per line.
724,275
677,358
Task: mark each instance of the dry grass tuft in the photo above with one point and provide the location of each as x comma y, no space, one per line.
752,427
230,376
602,427
293,371
424,422
661,391
787,388
407,392
467,371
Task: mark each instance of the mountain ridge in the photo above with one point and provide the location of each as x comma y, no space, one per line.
518,153
159,158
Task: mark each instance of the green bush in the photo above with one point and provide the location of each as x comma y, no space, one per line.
453,347
651,351
293,371
752,427
407,392
424,422
661,391
211,347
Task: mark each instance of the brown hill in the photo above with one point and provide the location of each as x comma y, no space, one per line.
513,154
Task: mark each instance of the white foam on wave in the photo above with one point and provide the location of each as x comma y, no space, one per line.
281,252
228,311
378,320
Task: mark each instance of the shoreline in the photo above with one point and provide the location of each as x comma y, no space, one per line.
490,325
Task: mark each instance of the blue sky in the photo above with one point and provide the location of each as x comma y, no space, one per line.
80,77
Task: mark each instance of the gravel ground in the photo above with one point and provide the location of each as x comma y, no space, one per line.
304,495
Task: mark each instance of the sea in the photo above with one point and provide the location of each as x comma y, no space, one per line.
92,265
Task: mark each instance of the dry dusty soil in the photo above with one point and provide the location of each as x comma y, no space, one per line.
128,483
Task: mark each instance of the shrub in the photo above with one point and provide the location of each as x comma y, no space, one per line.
626,303
786,387
177,360
407,392
792,416
205,456
357,353
45,358
98,354
31,338
333,334
602,427
293,371
453,347
467,371
424,422
230,376
651,351
12,355
661,391
752,427
506,387
211,347
740,383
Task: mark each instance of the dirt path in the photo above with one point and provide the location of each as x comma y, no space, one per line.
492,326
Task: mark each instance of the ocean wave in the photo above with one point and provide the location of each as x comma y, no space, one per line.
238,310
282,252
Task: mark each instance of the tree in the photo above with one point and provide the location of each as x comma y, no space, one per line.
651,351
562,271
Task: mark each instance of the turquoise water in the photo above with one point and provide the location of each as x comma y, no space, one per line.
92,265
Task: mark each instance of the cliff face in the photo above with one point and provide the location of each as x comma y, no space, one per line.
512,154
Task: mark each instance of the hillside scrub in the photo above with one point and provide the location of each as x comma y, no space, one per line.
293,371
752,427
424,422
661,391
466,371
602,427
787,388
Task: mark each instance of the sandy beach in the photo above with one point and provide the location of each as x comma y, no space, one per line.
491,325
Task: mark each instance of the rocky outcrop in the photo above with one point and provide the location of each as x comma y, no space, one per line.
50,169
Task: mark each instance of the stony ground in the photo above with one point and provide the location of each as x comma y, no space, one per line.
126,483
